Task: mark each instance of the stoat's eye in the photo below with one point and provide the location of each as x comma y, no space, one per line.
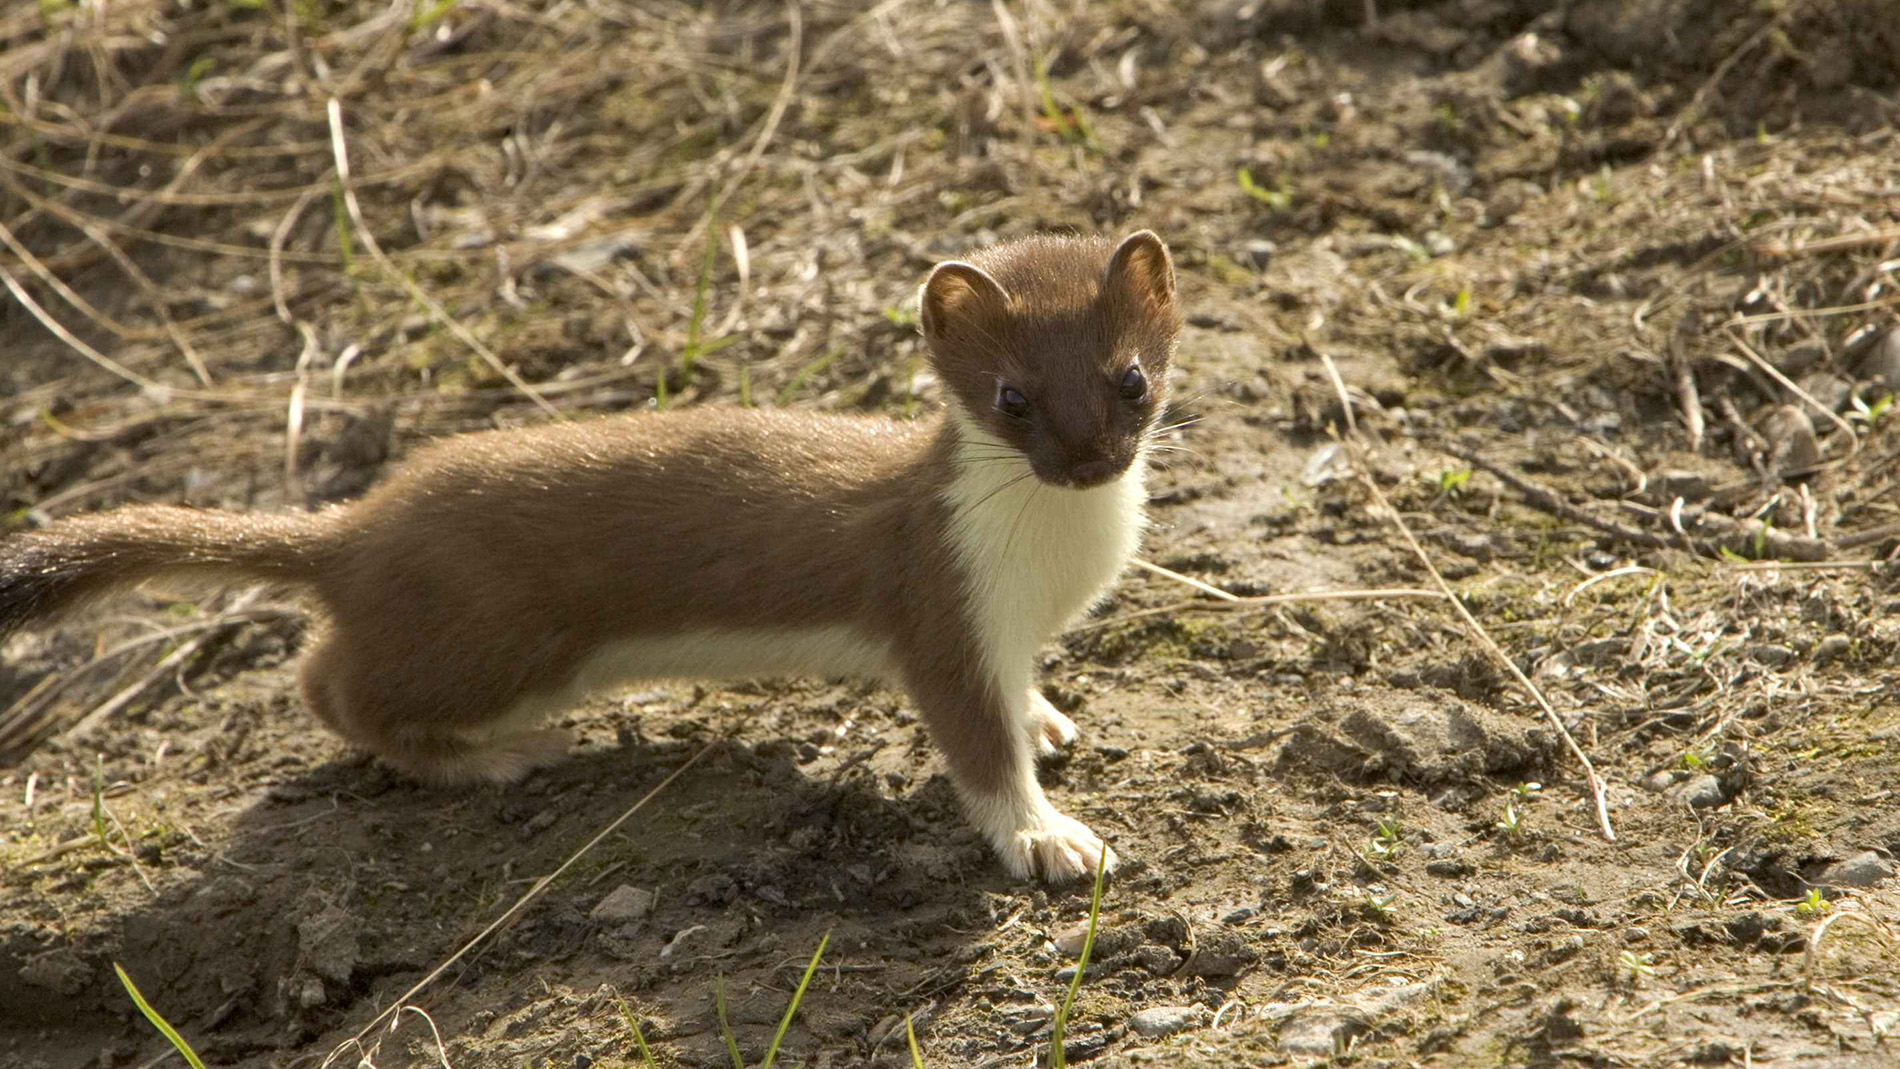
1011,401
1134,386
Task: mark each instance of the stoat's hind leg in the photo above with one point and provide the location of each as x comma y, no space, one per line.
1055,732
406,733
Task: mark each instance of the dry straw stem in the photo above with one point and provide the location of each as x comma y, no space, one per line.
1812,953
1236,603
392,1012
1019,55
1773,372
1693,111
1364,471
341,151
1490,645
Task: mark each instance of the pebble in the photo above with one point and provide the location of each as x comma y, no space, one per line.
1792,445
1882,361
1322,1032
1771,654
1661,781
1832,648
1688,485
1259,254
1862,870
541,821
1704,792
1069,941
623,904
1166,1020
1508,199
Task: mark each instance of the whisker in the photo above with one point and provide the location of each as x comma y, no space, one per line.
1177,426
1020,513
978,503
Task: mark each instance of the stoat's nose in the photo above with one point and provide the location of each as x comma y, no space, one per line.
1093,472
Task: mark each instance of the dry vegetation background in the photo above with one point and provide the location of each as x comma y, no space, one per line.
1600,293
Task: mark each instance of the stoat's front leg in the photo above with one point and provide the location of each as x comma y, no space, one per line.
990,735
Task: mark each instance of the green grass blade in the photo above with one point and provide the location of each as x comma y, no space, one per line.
910,1034
1057,1058
804,375
771,1053
164,1027
640,1040
725,1027
693,325
340,219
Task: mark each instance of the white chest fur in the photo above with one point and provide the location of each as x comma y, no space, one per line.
1034,556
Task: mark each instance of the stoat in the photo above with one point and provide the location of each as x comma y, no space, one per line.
499,576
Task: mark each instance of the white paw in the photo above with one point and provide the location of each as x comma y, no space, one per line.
504,758
1058,849
1054,731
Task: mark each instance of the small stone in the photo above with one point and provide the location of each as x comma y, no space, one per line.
1322,1031
1259,254
1828,388
1704,792
1746,929
1069,941
1661,781
1862,870
1881,362
541,821
623,904
1166,1020
1792,445
1449,868
1439,244
1676,482
1508,199
1832,648
1771,654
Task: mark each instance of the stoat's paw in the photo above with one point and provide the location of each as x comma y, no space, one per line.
494,759
1058,849
1055,732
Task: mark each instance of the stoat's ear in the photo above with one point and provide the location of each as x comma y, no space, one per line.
1141,269
958,295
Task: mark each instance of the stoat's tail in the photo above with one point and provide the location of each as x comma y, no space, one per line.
68,561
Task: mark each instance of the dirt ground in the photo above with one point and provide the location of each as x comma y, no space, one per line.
1610,286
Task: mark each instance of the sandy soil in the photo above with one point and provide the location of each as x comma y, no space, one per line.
1610,285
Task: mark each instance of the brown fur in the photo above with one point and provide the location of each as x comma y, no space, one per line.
485,571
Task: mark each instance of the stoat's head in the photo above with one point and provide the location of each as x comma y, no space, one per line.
1057,347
